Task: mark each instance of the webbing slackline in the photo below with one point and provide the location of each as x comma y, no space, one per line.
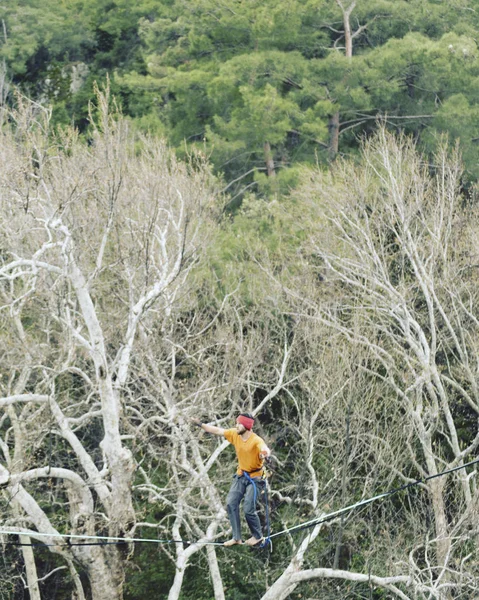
105,540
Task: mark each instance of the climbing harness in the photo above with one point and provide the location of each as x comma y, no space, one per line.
251,480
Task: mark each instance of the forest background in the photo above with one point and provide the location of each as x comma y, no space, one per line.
212,206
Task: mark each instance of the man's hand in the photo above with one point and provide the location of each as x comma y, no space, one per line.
271,463
208,428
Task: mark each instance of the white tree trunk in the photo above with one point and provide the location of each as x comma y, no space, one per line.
30,568
180,568
105,573
215,574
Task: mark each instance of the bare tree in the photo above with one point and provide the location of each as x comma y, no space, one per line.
211,360
92,237
397,249
348,34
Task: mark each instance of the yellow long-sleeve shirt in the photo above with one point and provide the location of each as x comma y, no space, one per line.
247,452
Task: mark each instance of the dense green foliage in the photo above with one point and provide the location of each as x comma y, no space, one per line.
256,84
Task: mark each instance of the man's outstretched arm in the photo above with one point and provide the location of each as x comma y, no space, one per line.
208,428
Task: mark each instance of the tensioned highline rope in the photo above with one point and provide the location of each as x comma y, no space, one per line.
105,540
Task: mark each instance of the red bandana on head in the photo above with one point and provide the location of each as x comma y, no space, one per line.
247,422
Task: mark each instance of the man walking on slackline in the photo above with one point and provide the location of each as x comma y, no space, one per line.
248,481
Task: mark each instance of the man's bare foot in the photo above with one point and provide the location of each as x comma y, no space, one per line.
254,541
232,543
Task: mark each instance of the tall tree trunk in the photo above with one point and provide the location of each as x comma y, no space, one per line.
333,127
436,491
105,572
181,564
268,159
19,461
339,541
348,36
30,568
215,573
443,542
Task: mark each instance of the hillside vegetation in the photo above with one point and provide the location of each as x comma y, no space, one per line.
209,207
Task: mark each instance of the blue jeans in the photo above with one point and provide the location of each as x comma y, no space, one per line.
242,488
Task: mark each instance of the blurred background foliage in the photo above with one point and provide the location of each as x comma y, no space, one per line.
256,85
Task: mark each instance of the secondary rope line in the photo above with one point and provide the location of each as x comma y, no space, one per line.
341,511
105,540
